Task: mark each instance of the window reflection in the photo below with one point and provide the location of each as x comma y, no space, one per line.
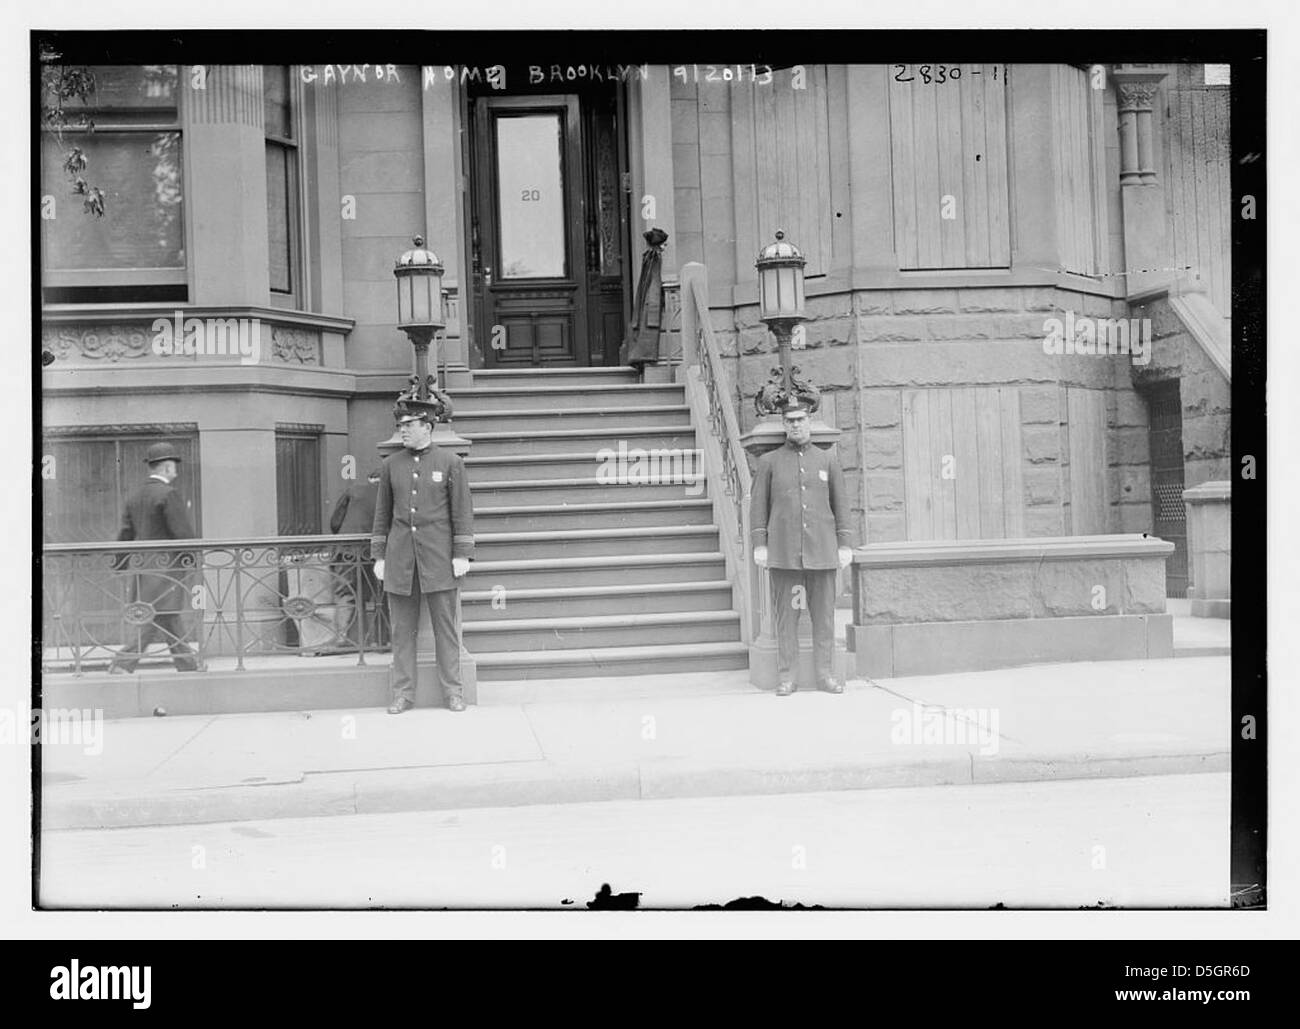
140,174
530,196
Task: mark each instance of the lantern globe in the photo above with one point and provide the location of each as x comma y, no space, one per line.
420,306
780,280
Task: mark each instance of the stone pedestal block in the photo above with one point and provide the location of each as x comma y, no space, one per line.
924,608
1209,548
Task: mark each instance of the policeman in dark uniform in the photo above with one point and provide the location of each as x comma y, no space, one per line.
156,511
801,532
423,541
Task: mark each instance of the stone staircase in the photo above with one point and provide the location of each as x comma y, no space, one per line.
578,577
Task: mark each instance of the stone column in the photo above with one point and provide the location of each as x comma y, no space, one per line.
444,218
1145,258
1209,548
225,178
650,149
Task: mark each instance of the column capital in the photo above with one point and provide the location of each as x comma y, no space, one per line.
223,94
1136,85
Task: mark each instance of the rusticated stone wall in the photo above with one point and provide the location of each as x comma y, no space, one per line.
957,423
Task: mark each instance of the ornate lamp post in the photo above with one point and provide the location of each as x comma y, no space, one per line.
781,305
422,314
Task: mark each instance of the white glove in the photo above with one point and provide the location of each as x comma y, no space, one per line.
846,556
760,556
459,566
379,569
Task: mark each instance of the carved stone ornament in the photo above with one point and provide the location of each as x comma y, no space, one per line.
98,342
294,346
1137,96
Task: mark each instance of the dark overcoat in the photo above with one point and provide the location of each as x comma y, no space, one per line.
156,511
643,337
800,507
355,509
423,518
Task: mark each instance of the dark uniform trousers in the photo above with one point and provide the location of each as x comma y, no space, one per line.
794,589
404,618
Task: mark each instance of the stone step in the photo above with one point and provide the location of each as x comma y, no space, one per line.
596,571
565,398
506,439
630,461
618,375
593,542
578,491
642,598
599,631
621,514
542,419
615,661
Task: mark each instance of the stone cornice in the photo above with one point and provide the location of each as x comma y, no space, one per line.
1000,551
1209,492
76,313
284,379
845,280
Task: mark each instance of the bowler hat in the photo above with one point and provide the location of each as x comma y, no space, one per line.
161,452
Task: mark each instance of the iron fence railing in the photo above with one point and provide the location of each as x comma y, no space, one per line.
305,595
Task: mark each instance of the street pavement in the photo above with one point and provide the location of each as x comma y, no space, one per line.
651,737
1160,841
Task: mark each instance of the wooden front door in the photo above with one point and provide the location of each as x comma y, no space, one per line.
547,237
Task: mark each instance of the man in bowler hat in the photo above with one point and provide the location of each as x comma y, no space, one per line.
155,511
801,533
355,588
423,541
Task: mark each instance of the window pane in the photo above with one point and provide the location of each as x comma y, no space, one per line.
84,501
530,196
297,485
279,216
140,174
136,86
275,98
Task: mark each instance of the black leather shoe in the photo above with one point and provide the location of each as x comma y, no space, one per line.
784,689
831,686
399,705
455,702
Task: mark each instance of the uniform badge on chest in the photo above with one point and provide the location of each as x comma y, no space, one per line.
436,476
822,474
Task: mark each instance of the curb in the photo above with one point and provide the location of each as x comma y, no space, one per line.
517,784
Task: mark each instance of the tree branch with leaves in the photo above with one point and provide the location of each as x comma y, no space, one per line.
62,85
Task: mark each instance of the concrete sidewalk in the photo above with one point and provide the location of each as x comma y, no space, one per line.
650,737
